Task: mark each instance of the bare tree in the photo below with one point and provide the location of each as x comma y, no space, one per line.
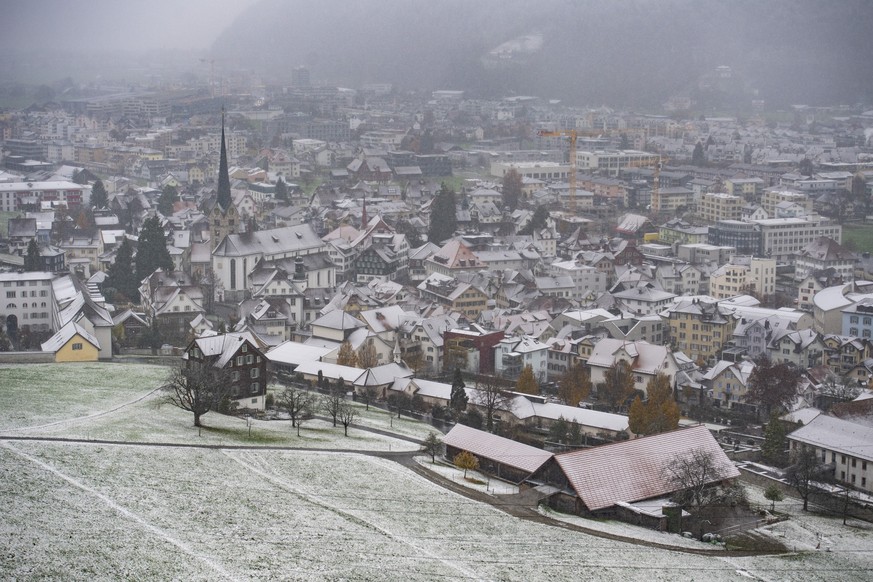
693,475
333,402
197,389
432,445
617,386
298,403
369,394
491,397
807,474
346,414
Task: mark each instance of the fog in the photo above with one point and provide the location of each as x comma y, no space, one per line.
623,52
107,25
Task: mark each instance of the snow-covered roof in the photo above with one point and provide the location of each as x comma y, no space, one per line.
496,448
296,353
634,470
835,434
65,334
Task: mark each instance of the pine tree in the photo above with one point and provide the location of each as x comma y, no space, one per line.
281,190
32,260
152,252
121,276
697,156
168,197
527,383
99,197
458,398
443,217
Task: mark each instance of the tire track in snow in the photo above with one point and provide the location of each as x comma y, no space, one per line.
87,417
166,536
255,465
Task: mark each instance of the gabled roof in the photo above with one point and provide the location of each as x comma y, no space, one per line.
67,333
634,470
496,448
338,319
647,358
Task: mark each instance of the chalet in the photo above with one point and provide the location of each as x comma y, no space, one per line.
240,356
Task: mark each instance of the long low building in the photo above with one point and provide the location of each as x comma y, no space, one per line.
504,458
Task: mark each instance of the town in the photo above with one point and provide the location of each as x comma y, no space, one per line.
563,292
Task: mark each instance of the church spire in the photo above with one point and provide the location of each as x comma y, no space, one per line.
364,214
223,200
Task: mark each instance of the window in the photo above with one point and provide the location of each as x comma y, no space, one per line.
854,461
10,295
77,346
256,387
245,348
255,372
249,359
239,360
235,375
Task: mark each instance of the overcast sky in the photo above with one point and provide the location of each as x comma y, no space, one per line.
130,25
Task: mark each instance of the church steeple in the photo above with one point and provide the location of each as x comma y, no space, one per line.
364,214
224,200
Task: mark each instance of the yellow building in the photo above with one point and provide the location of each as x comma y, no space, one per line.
699,327
73,344
716,206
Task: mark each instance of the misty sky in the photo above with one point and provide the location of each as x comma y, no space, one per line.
128,25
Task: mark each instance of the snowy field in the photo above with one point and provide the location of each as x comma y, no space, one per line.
89,511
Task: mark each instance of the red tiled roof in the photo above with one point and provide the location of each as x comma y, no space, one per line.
633,470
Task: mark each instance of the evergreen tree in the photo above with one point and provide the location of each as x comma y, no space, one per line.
168,197
536,222
774,449
527,383
511,190
152,252
697,157
443,217
281,190
99,197
32,260
121,276
458,398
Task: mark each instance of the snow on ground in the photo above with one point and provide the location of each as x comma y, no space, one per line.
38,394
90,511
475,480
157,513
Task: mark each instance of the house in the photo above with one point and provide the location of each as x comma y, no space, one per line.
171,300
728,382
599,481
72,343
515,353
240,357
455,295
645,360
842,444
